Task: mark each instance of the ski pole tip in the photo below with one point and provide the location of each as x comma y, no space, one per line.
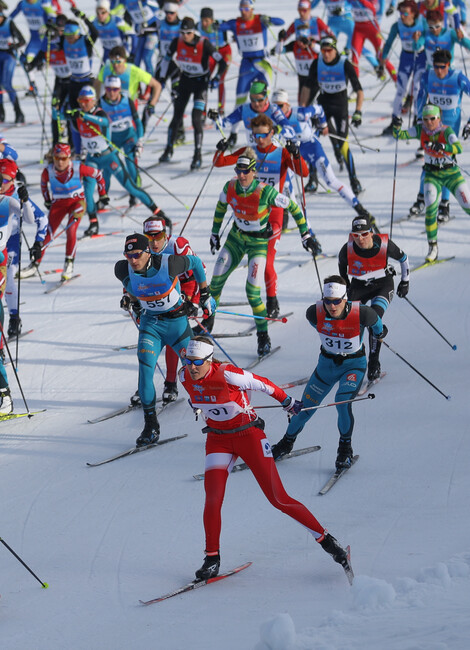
448,397
44,585
454,347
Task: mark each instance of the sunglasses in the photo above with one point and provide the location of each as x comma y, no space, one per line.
196,362
435,26
405,13
259,136
185,32
333,301
440,66
327,49
431,118
170,13
243,171
156,235
5,181
356,235
61,157
134,256
245,9
116,61
101,11
111,90
257,101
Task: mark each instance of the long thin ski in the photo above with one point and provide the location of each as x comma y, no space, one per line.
102,234
133,346
129,408
336,476
438,261
13,338
254,363
136,450
231,335
62,283
296,382
368,383
196,584
12,416
297,452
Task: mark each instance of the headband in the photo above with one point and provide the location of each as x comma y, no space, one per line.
199,349
334,290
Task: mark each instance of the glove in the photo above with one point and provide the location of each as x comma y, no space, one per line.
138,149
438,147
403,288
126,302
310,243
337,11
149,110
214,82
189,306
35,251
282,35
356,119
28,66
104,200
212,114
265,20
293,148
232,140
23,193
222,145
47,204
466,131
137,309
318,123
292,406
277,49
389,11
77,12
214,243
74,111
207,302
383,333
380,70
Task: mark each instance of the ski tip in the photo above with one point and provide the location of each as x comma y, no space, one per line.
448,397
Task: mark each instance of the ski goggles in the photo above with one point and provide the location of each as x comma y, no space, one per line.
364,233
440,66
333,301
156,236
434,27
5,181
260,136
117,61
61,157
196,362
134,256
430,118
244,172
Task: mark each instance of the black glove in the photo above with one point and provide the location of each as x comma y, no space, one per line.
466,131
310,243
214,82
212,114
282,35
104,200
47,204
389,11
222,145
438,147
293,148
35,251
380,70
292,405
356,119
232,140
403,288
28,66
149,110
125,302
23,193
214,243
77,12
383,333
189,306
337,11
137,309
207,302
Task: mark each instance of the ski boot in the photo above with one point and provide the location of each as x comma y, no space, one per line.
272,307
209,569
170,392
132,201
443,214
2,113
197,160
68,269
333,548
6,403
93,228
19,116
356,187
407,104
14,326
432,252
29,271
283,447
312,184
208,324
32,90
151,430
264,343
167,155
180,134
373,370
135,399
344,455
417,207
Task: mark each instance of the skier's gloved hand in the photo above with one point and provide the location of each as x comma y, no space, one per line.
104,200
47,204
356,119
466,131
207,303
139,147
282,35
390,10
383,333
149,110
35,252
23,193
232,140
380,70
293,148
403,288
292,405
137,309
28,66
189,306
222,145
438,147
310,243
212,114
214,243
126,302
76,12
265,20
214,82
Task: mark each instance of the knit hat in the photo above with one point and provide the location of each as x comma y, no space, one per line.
207,12
188,25
361,224
280,96
136,242
8,167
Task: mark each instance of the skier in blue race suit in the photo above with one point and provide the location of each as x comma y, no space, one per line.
154,291
340,325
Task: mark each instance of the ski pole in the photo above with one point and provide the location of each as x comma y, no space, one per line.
358,143
206,331
234,313
416,371
59,234
43,584
454,347
199,195
2,332
19,284
158,121
394,187
44,135
29,249
381,88
320,406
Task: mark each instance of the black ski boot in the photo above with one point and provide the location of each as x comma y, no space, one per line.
93,228
2,113
443,214
333,548
167,155
197,160
151,431
19,117
170,392
356,187
344,455
312,183
209,569
264,343
132,201
373,371
272,307
283,447
14,326
417,207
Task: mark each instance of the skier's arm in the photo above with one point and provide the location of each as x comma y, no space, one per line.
395,253
93,172
220,210
245,380
178,264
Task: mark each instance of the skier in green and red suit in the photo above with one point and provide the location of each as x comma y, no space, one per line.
440,145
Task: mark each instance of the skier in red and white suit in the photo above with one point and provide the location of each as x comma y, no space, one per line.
219,391
366,28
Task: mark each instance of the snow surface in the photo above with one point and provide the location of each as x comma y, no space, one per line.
105,537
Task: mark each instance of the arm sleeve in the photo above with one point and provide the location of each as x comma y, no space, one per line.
370,318
178,264
351,75
343,263
397,254
220,210
246,380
